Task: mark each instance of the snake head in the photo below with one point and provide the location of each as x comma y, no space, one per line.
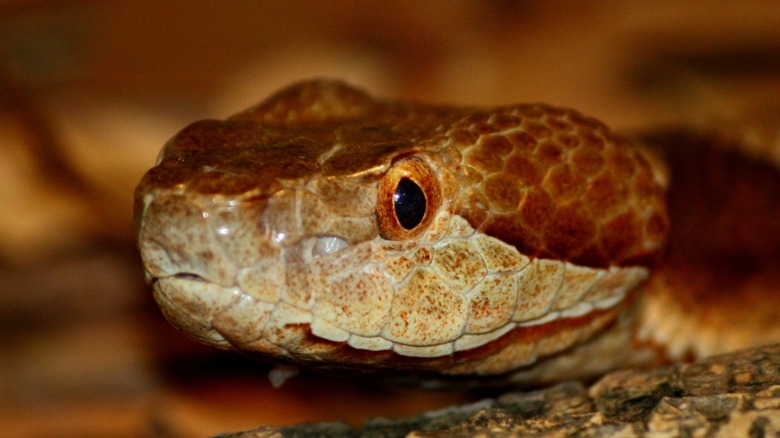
325,227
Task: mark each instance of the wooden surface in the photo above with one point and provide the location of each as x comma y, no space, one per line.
732,395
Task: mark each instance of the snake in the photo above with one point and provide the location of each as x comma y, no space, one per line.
327,228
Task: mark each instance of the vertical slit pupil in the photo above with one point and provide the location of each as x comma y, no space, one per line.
409,201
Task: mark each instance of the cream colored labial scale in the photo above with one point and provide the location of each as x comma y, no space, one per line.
426,298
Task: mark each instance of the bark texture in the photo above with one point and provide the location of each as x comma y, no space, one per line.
733,395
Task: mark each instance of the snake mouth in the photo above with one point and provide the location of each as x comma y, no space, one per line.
179,276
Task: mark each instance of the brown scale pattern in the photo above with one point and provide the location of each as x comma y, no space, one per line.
551,182
559,185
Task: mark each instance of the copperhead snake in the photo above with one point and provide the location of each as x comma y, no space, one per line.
328,228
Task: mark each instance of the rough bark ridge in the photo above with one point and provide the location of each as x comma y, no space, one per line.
733,395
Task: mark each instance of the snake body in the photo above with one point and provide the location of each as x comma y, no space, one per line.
329,228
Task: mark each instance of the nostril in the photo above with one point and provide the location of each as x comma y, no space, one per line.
189,276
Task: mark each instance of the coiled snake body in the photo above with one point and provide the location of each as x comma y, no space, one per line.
328,228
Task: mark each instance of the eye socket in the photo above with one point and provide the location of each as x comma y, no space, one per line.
409,196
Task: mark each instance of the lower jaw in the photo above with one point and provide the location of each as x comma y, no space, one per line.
520,348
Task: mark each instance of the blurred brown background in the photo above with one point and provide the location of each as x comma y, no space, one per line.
91,90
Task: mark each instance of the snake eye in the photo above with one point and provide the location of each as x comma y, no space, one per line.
408,197
409,203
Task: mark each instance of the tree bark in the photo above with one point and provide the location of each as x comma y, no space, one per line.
733,395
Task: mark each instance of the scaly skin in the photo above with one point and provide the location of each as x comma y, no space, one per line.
539,222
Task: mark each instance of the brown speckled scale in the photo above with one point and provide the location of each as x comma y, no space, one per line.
539,222
549,181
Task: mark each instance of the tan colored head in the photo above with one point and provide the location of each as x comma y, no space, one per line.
323,226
